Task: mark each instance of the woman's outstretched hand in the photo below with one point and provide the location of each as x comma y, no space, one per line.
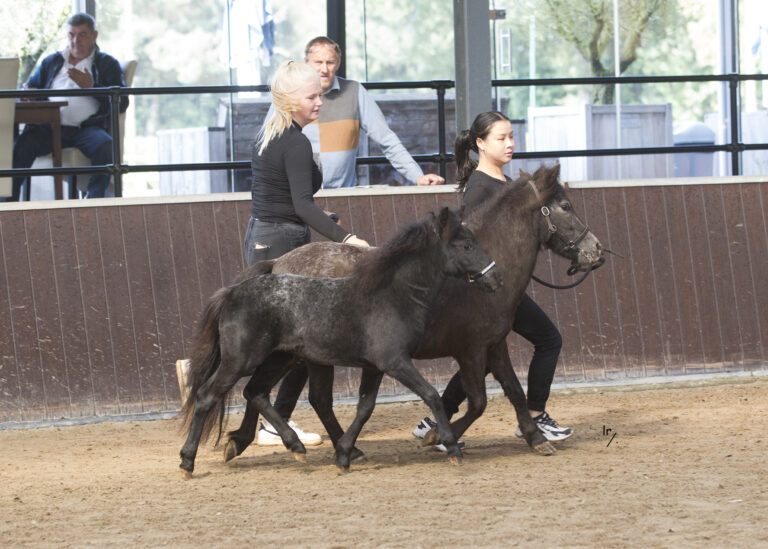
356,241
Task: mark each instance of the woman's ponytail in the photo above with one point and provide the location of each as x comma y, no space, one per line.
465,164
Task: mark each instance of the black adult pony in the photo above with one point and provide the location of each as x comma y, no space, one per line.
470,326
378,316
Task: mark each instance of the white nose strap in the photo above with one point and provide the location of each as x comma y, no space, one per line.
487,268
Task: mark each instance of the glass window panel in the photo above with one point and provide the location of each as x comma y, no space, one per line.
753,59
399,40
181,44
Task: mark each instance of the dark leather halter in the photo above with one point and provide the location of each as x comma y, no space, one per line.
570,244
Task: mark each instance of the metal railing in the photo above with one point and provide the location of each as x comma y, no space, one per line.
117,168
734,147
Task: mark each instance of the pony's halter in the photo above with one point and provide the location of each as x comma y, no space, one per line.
477,276
569,244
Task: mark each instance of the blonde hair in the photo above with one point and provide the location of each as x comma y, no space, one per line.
288,79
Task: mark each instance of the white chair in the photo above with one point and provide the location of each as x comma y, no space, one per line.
9,75
72,156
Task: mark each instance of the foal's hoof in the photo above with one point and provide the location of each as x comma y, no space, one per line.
230,451
545,449
454,460
431,438
343,470
186,475
298,456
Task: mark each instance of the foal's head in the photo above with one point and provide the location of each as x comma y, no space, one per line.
442,239
465,255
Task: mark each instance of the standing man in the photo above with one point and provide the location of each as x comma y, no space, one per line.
347,109
84,121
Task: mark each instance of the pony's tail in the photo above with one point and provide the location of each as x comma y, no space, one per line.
206,357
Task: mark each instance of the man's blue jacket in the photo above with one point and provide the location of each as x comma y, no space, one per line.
105,71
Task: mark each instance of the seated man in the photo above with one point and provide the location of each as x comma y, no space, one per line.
85,120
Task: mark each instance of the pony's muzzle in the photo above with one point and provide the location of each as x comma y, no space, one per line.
575,267
488,279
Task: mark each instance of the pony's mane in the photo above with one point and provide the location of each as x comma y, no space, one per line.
517,195
378,266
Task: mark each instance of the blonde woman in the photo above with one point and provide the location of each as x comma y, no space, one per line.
285,178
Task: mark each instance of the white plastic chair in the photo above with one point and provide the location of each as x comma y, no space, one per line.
9,75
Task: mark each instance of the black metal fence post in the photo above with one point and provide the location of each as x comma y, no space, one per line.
441,130
114,128
733,89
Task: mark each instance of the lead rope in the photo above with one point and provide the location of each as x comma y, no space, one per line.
572,285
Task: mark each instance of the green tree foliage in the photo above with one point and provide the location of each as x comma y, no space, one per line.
32,32
588,26
679,44
676,40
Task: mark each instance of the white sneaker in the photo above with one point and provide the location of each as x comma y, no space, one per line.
308,439
424,426
268,436
548,427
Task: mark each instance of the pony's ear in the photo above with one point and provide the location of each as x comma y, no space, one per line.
547,181
552,177
524,174
448,222
540,181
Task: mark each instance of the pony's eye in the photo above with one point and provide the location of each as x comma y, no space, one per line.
566,206
467,245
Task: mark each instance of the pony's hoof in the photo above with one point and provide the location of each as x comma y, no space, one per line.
545,449
343,470
454,460
431,438
230,451
298,456
186,475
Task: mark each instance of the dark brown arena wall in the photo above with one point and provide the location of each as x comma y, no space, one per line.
98,299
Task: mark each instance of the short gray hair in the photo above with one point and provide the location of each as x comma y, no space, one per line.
322,41
82,19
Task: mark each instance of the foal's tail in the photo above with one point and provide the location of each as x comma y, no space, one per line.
206,355
205,360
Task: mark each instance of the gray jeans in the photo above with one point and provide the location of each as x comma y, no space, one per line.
268,240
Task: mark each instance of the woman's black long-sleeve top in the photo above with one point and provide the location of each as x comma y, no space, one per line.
285,177
480,186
